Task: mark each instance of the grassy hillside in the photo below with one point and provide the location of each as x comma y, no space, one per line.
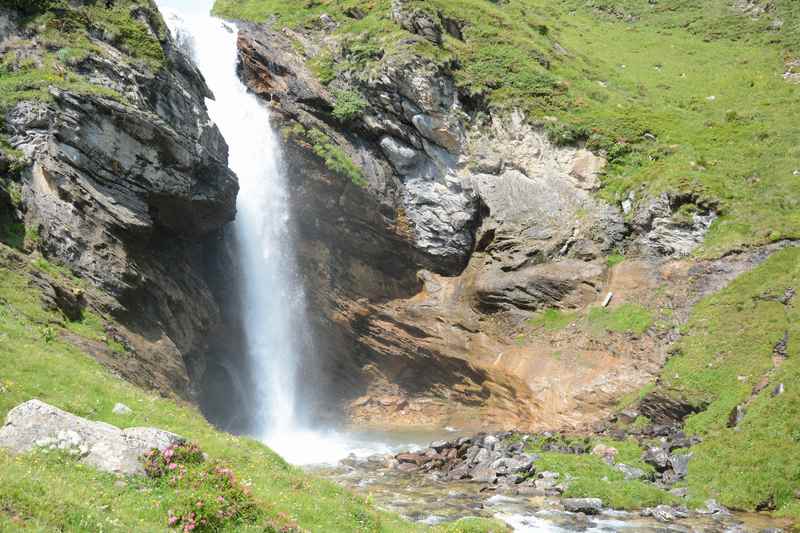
731,355
54,493
682,96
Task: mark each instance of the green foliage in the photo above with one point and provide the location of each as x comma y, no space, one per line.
335,158
614,259
211,498
641,423
586,71
68,33
323,146
553,319
48,492
625,318
13,234
349,105
323,67
588,476
719,364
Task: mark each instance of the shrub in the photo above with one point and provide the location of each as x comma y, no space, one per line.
208,496
349,105
335,158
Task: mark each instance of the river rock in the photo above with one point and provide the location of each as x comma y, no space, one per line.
583,505
665,513
35,424
484,473
714,508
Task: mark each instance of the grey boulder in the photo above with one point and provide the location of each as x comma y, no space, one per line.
37,425
583,505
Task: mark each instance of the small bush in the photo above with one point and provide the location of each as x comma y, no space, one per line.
208,496
349,105
157,464
335,158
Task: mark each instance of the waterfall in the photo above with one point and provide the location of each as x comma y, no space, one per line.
271,294
272,307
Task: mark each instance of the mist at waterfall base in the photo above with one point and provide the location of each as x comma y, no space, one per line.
271,295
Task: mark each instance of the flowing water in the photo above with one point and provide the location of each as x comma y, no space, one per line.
272,307
271,294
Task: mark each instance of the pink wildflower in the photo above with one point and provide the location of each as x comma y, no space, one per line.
172,466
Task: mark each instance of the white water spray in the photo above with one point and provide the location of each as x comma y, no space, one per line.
272,296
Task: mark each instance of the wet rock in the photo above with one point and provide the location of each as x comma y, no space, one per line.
664,233
713,508
414,458
514,469
440,445
666,411
482,456
483,473
407,467
736,416
458,473
781,347
35,424
665,513
489,442
589,506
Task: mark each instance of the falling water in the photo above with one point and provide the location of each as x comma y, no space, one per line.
271,296
272,306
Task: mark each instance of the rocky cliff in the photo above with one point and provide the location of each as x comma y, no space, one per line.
119,175
433,230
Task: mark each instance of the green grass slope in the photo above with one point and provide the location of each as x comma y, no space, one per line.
682,96
728,358
45,492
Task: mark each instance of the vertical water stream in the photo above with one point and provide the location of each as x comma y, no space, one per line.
272,308
271,294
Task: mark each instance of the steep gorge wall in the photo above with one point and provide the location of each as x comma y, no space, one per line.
124,180
430,233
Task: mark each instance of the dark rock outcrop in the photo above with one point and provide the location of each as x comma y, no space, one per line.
454,225
127,184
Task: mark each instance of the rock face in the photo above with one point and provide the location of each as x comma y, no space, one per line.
132,193
37,425
466,225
